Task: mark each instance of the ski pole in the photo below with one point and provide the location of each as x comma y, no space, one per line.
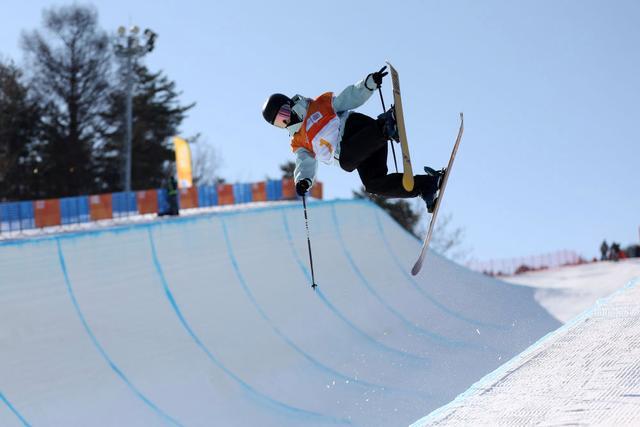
306,224
384,109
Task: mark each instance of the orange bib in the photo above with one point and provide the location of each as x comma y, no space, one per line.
320,130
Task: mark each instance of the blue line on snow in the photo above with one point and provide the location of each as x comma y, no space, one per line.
101,349
263,314
422,360
422,292
14,410
420,331
245,386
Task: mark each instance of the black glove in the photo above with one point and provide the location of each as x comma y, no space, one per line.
302,187
378,75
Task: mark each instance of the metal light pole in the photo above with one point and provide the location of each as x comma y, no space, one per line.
130,46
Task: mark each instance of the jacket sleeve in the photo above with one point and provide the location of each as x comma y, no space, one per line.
355,95
306,166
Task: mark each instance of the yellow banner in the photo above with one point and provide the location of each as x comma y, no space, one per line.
183,162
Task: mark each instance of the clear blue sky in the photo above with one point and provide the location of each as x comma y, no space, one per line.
551,155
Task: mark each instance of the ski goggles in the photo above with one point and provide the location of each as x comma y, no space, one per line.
283,118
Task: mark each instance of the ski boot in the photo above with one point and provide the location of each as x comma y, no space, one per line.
389,125
431,198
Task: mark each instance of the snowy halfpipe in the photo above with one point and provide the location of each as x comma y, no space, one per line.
210,320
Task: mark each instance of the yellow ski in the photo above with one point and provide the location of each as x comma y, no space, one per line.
407,172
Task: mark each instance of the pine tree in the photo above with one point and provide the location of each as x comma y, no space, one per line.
157,116
70,64
19,127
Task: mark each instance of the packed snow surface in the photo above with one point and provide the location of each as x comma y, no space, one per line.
211,320
586,373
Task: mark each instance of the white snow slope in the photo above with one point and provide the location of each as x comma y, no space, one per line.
211,320
568,291
585,373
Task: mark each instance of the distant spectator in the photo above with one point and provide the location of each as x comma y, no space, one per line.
171,194
604,250
614,252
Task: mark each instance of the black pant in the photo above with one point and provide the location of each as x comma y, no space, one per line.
364,147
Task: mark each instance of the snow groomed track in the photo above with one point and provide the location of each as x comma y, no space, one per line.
210,320
585,373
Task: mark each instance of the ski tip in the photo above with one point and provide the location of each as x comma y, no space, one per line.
416,269
461,116
407,182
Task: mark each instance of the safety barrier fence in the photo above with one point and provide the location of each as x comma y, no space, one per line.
28,215
510,266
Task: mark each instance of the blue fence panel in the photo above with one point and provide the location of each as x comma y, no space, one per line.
10,216
16,216
124,204
68,210
274,189
163,204
84,211
242,193
27,216
207,196
74,210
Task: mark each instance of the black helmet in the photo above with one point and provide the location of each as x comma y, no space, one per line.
273,105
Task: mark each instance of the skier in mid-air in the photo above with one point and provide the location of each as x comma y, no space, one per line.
326,128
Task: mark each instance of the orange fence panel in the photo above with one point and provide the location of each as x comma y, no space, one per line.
259,191
47,213
316,190
147,201
188,198
288,189
225,194
101,207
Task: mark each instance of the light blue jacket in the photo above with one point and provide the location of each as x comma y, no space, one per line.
350,98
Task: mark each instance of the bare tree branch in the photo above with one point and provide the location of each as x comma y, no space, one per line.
206,162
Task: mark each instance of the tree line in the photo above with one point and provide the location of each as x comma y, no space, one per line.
62,113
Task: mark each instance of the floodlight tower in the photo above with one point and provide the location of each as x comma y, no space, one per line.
130,46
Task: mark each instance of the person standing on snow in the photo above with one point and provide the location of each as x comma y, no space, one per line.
604,250
327,129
